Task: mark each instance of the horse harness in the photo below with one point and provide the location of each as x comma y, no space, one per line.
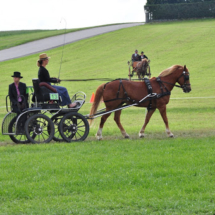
117,94
164,90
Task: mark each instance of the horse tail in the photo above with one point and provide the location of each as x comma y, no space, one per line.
98,97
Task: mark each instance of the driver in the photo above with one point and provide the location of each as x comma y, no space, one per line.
135,56
43,76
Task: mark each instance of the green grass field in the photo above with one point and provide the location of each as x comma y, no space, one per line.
175,176
154,175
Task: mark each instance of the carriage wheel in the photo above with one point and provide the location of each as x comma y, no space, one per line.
41,127
74,127
20,138
56,120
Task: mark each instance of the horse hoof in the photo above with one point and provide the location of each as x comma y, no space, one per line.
98,137
141,135
171,136
127,137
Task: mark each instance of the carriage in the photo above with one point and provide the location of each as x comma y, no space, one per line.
45,120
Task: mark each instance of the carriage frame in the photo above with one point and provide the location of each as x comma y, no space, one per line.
46,120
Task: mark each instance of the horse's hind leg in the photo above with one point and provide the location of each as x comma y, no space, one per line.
148,116
164,116
117,120
138,74
102,122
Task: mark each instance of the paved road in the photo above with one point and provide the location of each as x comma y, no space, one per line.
56,41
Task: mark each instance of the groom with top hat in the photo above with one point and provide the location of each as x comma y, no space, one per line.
17,94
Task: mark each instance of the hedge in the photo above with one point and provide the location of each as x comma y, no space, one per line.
181,11
149,2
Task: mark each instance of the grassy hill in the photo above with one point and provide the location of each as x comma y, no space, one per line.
166,44
14,38
154,175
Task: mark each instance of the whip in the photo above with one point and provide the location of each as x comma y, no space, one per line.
63,46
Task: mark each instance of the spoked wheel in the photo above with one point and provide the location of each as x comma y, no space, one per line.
19,138
56,120
41,127
74,127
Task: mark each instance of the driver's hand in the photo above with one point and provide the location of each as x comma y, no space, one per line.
58,80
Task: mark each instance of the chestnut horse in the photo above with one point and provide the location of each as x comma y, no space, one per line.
117,92
140,67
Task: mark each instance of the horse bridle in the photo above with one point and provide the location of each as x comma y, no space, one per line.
186,78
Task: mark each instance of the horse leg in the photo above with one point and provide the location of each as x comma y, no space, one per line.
148,116
117,120
102,122
138,74
163,114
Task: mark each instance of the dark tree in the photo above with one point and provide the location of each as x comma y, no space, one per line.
179,9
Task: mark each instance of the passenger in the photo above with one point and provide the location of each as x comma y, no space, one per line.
43,76
135,56
142,56
17,94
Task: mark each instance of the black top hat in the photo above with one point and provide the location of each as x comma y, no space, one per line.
17,75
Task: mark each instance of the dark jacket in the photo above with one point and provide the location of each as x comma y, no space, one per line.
142,57
135,58
13,97
43,75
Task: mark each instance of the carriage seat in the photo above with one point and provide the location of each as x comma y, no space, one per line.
42,91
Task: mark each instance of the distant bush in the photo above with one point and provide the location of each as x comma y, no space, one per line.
173,1
163,11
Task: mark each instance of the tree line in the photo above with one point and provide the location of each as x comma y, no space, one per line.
179,9
173,1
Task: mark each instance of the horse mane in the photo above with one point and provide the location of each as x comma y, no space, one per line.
169,71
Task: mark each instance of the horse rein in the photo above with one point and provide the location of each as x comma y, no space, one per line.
186,78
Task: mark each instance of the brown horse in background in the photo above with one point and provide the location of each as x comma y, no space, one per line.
140,67
114,96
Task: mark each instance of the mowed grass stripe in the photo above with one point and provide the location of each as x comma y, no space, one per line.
120,177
